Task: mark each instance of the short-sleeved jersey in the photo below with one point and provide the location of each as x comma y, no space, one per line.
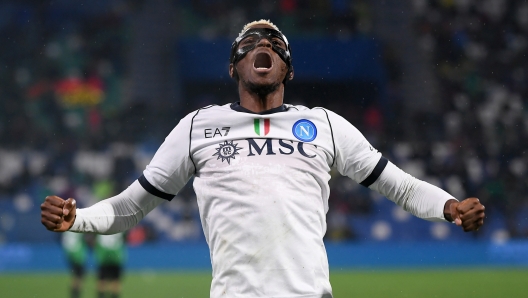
261,182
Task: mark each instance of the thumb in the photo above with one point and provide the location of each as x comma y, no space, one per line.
68,210
455,215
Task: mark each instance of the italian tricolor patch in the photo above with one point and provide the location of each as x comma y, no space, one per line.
262,126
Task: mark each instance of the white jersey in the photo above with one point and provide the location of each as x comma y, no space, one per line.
261,182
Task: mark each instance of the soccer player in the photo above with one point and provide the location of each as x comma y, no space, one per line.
261,171
76,249
110,253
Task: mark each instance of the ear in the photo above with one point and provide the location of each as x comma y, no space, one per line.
291,74
231,70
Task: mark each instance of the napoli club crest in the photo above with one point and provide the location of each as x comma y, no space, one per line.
227,151
304,130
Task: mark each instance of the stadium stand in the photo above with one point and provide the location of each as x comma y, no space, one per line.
79,117
478,52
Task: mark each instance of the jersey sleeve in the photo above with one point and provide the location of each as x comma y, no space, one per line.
418,197
357,159
172,166
354,155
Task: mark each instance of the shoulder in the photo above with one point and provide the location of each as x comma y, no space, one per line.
338,124
320,111
205,112
301,108
208,109
187,123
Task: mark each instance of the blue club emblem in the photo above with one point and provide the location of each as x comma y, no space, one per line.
304,130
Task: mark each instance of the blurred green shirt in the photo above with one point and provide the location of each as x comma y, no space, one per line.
110,249
75,247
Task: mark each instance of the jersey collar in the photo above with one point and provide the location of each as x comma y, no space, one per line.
237,107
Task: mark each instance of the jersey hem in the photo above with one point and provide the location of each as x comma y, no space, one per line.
322,295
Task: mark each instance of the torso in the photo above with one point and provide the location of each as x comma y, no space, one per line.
262,188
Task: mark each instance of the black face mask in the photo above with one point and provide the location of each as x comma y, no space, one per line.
257,34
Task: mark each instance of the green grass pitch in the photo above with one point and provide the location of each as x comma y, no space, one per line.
367,283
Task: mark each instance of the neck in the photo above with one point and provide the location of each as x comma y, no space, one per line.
258,102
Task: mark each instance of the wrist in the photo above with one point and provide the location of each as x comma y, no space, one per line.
77,223
448,215
73,221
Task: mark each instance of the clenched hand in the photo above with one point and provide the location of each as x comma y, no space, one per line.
57,214
469,213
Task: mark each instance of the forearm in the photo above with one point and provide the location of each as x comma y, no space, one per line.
420,198
118,213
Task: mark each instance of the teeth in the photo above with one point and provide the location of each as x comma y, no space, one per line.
262,68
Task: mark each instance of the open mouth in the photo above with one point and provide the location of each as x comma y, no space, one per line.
262,61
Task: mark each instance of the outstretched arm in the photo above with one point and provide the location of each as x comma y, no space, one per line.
427,201
169,170
110,216
357,159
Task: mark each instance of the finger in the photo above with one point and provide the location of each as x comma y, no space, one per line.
458,221
55,201
52,217
473,223
50,224
467,205
58,228
475,213
68,206
480,223
472,226
51,209
467,226
69,209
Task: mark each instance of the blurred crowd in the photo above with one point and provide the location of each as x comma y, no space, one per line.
313,18
61,71
67,129
479,56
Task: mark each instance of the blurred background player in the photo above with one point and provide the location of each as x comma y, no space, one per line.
76,249
110,255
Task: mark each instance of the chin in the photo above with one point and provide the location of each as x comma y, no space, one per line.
262,88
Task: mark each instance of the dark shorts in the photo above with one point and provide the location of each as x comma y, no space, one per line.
110,272
77,269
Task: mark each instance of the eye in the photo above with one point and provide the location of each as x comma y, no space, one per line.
247,40
278,42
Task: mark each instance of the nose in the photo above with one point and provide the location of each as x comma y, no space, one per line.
264,42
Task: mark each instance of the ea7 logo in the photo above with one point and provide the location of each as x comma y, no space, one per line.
286,147
216,132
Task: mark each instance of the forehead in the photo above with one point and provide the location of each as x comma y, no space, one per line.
257,26
269,29
262,31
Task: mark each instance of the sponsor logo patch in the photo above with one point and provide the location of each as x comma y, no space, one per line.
304,130
227,151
